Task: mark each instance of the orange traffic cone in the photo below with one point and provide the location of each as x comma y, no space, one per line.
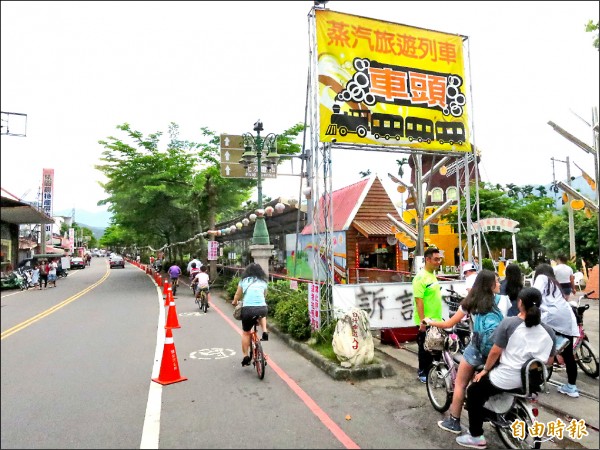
172,321
169,368
169,298
160,280
167,284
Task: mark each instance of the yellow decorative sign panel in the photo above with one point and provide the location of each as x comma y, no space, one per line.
382,83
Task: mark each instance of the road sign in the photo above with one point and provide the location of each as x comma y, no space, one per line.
232,149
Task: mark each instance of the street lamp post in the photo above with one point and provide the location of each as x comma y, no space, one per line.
254,147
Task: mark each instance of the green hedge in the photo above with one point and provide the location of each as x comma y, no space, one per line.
230,288
289,308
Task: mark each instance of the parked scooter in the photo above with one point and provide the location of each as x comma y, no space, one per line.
27,275
12,281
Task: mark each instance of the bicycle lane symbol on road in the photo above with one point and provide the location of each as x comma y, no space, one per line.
212,353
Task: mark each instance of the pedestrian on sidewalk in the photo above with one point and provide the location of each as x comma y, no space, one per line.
427,303
52,272
35,276
44,269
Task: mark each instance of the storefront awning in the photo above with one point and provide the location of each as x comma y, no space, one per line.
370,228
16,212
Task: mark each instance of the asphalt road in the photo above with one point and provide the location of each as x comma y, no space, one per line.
77,363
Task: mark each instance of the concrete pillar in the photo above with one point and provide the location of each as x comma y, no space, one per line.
261,255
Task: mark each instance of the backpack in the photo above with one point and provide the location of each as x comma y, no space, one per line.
484,326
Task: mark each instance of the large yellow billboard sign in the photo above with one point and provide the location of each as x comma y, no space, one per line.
382,83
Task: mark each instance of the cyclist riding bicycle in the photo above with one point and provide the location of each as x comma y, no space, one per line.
201,282
193,272
252,290
174,274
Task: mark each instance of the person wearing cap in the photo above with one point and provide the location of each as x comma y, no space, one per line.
469,272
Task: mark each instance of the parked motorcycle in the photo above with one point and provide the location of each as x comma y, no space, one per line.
27,275
12,281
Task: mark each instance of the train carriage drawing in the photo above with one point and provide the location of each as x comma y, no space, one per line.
419,129
450,132
387,125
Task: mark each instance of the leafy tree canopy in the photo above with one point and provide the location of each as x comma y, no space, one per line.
162,196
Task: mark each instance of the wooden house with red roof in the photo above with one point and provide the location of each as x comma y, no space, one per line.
365,242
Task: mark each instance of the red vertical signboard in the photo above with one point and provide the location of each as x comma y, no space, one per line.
314,305
47,193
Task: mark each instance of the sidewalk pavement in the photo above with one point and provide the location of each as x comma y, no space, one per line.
553,405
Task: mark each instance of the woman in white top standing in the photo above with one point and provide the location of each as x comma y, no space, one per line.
558,315
564,276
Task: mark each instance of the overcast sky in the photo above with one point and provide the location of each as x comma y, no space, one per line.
78,69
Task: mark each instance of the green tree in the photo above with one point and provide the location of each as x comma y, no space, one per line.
161,197
530,211
591,27
555,235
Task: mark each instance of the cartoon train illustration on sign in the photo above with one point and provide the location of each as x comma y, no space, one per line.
391,126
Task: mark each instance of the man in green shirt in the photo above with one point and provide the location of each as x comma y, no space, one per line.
428,303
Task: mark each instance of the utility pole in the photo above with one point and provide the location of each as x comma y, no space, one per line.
572,254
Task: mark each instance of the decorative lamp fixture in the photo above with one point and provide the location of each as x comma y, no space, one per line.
245,222
307,191
272,157
254,146
269,211
233,228
252,217
279,207
239,225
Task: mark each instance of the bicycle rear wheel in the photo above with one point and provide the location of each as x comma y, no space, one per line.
259,360
204,302
586,360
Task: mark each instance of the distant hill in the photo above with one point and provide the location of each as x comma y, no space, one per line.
98,232
95,221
